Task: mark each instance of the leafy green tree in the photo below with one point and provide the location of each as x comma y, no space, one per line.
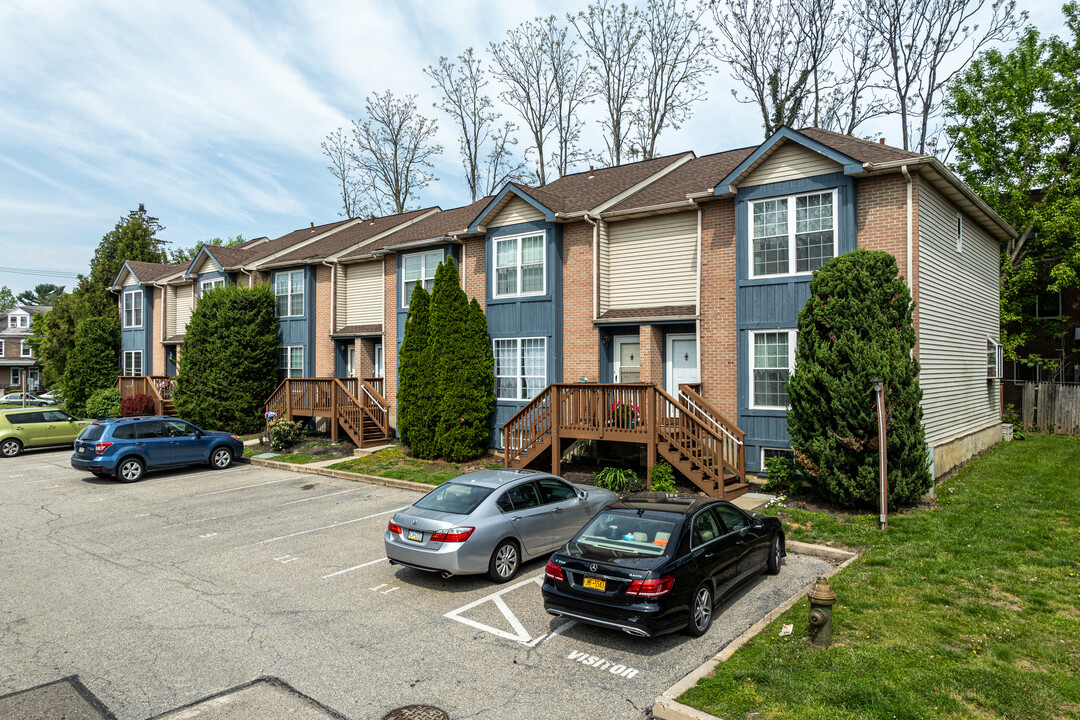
1016,133
229,359
7,299
186,255
42,294
464,368
856,326
416,383
92,364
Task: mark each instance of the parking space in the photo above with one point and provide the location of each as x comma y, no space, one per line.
168,590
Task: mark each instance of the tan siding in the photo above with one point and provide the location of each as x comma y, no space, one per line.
791,161
341,297
170,311
130,280
206,264
514,212
364,304
183,307
604,265
958,310
652,261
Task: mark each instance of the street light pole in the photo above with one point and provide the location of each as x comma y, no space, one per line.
883,518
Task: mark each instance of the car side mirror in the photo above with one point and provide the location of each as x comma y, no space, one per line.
582,495
198,433
758,524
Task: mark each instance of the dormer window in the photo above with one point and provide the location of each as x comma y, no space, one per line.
18,320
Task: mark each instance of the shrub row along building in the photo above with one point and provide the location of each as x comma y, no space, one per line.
682,271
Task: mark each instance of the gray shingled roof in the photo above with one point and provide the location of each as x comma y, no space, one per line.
347,237
151,272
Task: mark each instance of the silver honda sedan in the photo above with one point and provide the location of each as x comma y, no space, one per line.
490,521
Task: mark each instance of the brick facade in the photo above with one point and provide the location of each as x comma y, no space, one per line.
473,270
581,341
651,339
717,338
325,365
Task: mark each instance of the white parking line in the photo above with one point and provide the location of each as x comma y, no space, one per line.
319,497
245,487
520,635
356,567
327,527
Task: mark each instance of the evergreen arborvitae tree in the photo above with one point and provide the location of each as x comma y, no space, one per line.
92,363
416,383
464,368
228,362
856,326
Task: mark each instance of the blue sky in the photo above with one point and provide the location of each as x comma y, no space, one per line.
211,113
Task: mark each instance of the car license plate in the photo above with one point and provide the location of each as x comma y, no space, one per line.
595,583
414,535
81,450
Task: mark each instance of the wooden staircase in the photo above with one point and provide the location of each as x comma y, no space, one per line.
689,433
354,405
158,387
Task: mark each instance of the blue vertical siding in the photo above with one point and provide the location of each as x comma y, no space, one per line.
300,330
774,303
141,338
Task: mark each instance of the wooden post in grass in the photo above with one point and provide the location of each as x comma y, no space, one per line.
883,520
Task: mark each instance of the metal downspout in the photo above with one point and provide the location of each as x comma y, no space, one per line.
333,295
596,264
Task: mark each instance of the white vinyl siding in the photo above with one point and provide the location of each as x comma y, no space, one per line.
170,311
520,367
133,308
791,161
958,311
206,265
513,212
130,280
651,262
361,294
183,307
133,363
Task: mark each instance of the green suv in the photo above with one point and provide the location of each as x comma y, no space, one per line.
37,427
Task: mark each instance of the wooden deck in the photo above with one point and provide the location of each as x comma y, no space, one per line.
158,387
355,405
688,432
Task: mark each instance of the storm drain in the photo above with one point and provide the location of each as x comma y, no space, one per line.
416,712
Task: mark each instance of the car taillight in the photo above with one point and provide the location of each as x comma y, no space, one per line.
394,527
102,447
458,534
651,588
553,571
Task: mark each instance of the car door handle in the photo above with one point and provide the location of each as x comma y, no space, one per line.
559,510
516,517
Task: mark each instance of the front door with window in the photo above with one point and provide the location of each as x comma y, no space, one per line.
378,360
627,359
681,362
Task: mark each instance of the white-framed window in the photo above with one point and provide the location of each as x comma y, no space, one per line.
767,453
519,265
959,233
15,377
350,360
289,293
772,361
133,307
1048,304
1,348
25,350
133,363
792,235
1024,372
418,268
205,285
291,361
995,359
18,320
520,367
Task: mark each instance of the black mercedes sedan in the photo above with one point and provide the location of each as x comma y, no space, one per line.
654,563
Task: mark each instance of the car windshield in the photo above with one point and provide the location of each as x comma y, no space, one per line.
91,432
628,534
456,498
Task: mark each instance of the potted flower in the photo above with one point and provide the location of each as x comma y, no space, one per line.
624,414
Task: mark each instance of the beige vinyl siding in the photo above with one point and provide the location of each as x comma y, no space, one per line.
206,264
958,310
603,239
130,280
364,288
170,311
652,261
183,307
514,212
341,296
791,161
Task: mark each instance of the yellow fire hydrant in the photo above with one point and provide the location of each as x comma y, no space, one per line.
822,598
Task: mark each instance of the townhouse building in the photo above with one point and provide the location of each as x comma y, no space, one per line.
19,368
680,273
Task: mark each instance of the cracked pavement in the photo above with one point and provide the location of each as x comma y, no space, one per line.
163,592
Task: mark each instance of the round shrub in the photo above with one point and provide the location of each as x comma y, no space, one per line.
103,403
282,433
137,404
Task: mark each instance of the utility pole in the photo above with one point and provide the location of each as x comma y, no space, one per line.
879,391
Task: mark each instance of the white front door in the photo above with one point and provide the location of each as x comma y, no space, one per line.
682,362
627,359
378,361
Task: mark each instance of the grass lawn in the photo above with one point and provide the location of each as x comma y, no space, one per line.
394,463
970,609
302,458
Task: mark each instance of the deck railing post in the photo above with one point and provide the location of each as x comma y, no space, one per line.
506,445
650,406
556,421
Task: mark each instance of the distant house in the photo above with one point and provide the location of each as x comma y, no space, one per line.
17,362
1053,353
684,274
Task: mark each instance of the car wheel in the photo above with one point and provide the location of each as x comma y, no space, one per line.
773,567
42,404
505,561
221,458
10,447
130,470
701,611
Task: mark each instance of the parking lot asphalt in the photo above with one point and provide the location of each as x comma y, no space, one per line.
162,592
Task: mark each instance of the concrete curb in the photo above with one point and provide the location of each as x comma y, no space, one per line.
340,474
667,708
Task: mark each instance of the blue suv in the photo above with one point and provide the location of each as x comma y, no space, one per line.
128,447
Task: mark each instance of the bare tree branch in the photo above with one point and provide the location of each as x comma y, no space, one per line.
571,92
393,149
338,147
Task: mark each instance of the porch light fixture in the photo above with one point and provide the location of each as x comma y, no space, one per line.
606,340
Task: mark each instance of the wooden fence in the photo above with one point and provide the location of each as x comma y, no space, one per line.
1051,407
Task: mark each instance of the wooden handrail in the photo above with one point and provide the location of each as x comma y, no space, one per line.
534,417
720,451
711,413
